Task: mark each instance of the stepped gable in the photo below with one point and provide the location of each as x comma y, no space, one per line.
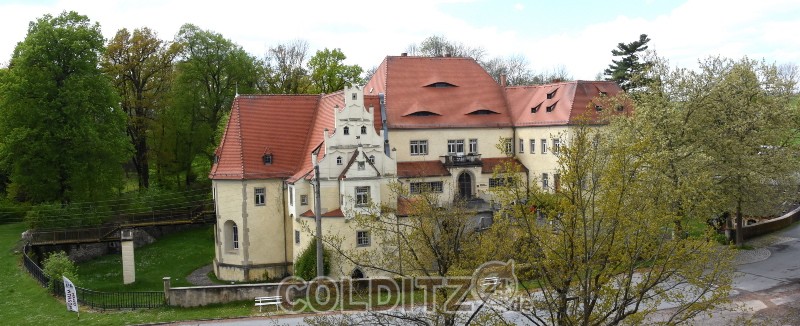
438,92
276,125
558,103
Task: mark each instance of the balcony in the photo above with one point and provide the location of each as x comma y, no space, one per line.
461,159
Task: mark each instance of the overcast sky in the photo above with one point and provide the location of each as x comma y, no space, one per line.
578,35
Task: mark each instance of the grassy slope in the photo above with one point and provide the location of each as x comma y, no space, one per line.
26,303
175,256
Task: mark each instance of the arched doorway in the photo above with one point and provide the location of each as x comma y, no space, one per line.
357,274
465,185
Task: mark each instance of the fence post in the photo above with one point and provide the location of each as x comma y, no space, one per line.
167,289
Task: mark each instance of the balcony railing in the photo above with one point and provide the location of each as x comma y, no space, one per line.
462,159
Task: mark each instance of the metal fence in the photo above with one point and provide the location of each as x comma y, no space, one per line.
98,299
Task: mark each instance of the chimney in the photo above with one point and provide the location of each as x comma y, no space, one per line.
502,80
404,54
447,54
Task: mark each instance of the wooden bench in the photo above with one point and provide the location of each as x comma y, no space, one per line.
265,301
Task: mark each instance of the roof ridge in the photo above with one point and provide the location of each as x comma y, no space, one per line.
241,139
311,125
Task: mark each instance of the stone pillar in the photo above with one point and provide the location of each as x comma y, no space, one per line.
167,288
128,263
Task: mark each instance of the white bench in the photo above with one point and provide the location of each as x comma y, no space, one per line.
494,280
265,301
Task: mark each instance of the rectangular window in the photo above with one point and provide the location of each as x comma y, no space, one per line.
303,199
455,146
533,146
422,187
556,146
235,233
545,181
544,146
521,146
419,147
291,196
473,146
500,182
261,196
362,196
362,238
362,165
507,142
296,236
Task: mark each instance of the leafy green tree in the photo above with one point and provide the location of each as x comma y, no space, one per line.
62,131
329,73
210,71
600,249
628,69
140,64
283,69
306,265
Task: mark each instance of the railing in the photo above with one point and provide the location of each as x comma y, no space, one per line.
97,299
462,159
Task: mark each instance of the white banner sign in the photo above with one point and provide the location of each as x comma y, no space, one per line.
71,295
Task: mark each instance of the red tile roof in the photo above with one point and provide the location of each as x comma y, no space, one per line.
410,87
421,169
334,213
489,164
570,101
276,124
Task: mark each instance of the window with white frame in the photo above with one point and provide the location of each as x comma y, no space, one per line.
362,196
508,144
346,130
231,235
261,196
545,181
363,130
500,182
544,146
235,236
422,187
303,199
455,146
521,146
372,159
533,146
556,146
296,236
473,146
362,238
338,160
419,147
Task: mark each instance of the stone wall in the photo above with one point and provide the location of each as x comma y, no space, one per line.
769,226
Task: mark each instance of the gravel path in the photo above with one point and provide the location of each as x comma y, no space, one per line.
200,276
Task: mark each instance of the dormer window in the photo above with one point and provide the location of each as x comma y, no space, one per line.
363,130
440,85
536,108
552,107
552,94
421,114
267,159
346,130
482,112
603,94
338,160
598,107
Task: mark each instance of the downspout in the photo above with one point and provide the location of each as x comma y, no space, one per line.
382,101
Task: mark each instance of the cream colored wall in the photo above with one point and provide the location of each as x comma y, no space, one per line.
538,163
437,141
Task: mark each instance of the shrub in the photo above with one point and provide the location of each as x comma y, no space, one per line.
58,264
306,265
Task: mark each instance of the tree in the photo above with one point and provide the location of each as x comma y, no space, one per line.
600,249
283,69
62,130
210,71
627,70
306,265
329,74
439,46
57,265
140,65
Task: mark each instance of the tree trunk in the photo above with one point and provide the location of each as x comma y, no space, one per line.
739,235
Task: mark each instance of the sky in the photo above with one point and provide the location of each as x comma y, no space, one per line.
576,35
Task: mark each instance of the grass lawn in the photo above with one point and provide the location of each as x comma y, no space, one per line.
26,303
175,255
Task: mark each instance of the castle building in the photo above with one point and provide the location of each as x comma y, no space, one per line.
436,123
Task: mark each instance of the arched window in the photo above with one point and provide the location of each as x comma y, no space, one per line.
363,130
231,231
372,159
338,160
346,130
